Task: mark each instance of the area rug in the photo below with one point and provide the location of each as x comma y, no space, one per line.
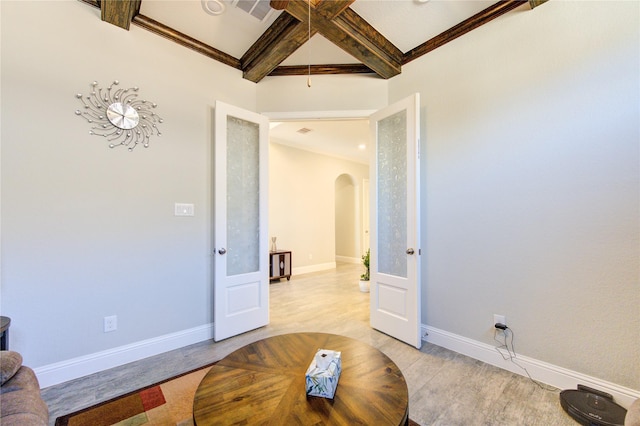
169,402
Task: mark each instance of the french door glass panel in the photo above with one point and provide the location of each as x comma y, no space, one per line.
243,195
392,194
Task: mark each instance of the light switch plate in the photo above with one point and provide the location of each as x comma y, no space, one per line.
182,209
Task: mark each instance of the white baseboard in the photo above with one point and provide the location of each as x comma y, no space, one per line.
543,372
313,268
74,368
346,259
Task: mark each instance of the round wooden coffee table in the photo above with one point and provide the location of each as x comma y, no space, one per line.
264,383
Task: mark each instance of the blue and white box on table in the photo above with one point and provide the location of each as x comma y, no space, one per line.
323,373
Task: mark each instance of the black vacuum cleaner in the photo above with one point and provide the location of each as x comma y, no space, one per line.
591,407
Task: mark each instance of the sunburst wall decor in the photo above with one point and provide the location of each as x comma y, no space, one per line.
119,116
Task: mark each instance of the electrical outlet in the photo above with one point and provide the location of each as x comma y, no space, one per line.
110,323
499,319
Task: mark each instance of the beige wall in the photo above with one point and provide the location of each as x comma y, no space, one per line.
531,184
348,214
302,203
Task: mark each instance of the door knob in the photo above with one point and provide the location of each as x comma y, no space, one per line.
222,251
410,251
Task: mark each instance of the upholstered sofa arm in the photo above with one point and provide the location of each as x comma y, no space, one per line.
10,363
20,400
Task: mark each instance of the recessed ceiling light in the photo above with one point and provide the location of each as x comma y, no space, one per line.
362,147
213,7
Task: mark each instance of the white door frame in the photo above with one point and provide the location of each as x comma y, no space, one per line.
360,114
241,299
396,292
366,216
328,115
319,115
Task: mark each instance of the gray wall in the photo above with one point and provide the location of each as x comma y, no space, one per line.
89,231
531,186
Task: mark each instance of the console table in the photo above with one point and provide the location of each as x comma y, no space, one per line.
264,383
279,265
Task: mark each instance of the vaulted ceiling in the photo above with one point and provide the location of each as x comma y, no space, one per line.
373,38
367,36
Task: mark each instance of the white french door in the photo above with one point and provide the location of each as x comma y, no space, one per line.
395,221
366,220
241,276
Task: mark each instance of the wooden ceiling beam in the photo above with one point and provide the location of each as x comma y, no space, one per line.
536,3
358,38
276,44
321,69
287,33
470,24
332,18
185,40
278,4
177,37
320,10
347,30
119,12
352,22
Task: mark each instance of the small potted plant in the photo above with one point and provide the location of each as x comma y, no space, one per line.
364,278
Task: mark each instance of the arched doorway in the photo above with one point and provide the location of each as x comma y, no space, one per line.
347,219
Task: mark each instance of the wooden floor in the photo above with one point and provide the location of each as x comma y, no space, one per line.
445,388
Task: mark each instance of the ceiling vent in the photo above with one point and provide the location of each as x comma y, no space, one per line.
259,9
304,130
